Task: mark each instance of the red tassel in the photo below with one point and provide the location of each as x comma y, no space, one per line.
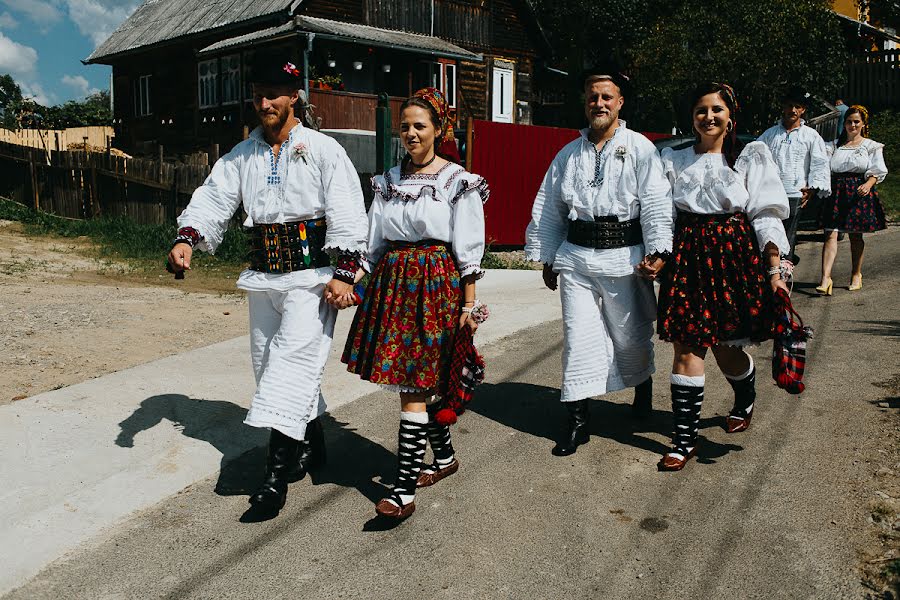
445,417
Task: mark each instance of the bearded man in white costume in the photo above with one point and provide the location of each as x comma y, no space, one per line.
602,225
304,205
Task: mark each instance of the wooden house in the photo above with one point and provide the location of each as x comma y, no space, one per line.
179,66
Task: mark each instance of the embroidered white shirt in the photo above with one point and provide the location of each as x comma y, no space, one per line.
312,177
867,158
446,206
801,158
705,184
631,185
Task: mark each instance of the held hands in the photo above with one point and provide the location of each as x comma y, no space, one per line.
807,194
180,258
550,277
340,294
650,267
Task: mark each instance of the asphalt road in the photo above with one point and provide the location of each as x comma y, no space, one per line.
774,512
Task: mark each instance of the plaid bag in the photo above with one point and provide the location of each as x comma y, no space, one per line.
465,371
789,347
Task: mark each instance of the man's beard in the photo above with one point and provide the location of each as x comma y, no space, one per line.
601,121
275,122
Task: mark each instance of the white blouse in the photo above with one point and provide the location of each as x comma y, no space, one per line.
445,206
867,158
801,159
311,178
625,179
705,184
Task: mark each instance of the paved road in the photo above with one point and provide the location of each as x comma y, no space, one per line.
775,512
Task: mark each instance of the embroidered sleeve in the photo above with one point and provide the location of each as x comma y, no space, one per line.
819,167
468,224
189,236
768,203
214,203
376,242
548,227
655,196
877,167
345,211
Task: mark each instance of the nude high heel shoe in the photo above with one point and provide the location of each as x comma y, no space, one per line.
857,287
825,290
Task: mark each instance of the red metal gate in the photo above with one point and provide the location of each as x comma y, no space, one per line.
513,159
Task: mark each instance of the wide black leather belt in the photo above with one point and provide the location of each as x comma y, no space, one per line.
287,247
605,233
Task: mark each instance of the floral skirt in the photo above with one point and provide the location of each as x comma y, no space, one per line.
402,332
845,210
714,290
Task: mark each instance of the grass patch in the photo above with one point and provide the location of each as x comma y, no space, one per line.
889,192
143,246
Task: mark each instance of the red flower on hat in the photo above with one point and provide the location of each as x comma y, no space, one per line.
292,69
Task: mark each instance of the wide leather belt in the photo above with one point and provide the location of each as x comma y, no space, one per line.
605,233
287,247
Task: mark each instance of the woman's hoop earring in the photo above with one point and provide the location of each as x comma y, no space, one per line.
729,127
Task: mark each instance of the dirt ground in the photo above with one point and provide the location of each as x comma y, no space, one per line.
66,316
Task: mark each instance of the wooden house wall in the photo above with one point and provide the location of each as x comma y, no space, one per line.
473,90
349,11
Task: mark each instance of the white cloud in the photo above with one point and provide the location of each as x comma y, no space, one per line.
42,12
7,21
15,58
79,85
97,19
35,91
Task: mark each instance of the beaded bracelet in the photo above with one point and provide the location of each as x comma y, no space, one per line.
479,312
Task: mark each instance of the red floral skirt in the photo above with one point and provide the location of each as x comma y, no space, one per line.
845,210
402,332
714,289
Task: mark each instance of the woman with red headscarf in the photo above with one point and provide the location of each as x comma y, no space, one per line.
725,263
426,241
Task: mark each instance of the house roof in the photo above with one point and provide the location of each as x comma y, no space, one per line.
871,29
158,21
350,32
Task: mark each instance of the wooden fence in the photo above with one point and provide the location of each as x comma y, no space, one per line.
52,140
873,79
349,110
83,185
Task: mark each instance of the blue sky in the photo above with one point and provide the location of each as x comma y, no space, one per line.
42,43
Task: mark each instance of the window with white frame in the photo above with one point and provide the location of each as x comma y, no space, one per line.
503,95
230,67
442,75
142,96
207,83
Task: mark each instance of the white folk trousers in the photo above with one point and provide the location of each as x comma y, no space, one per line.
608,333
290,337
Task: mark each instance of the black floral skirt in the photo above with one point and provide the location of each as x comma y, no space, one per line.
714,289
845,210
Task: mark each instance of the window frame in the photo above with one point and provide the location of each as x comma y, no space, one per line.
225,74
141,92
208,85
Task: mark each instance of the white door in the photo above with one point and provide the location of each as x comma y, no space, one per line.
502,98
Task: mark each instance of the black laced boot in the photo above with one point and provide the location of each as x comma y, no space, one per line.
411,444
577,433
281,469
312,453
642,408
687,401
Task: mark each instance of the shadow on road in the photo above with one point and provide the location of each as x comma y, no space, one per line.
352,458
881,328
536,410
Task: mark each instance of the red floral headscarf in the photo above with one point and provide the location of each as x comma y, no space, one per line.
435,98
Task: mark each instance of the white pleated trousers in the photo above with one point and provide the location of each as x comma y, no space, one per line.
290,337
608,333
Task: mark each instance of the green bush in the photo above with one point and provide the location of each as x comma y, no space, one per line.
884,127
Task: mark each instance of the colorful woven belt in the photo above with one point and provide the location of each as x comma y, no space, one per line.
288,247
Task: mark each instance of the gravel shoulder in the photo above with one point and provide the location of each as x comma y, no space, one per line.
67,316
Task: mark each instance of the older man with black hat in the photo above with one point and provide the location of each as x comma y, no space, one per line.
304,205
602,224
799,152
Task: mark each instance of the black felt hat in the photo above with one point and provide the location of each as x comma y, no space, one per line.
611,68
269,68
796,95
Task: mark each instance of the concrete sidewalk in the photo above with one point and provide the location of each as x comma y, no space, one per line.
81,459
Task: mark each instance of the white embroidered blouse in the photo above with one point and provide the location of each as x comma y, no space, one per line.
625,179
445,206
867,159
705,184
311,178
801,159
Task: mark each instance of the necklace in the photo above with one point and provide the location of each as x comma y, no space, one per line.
424,164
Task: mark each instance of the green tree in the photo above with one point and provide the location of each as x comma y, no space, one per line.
760,47
10,101
93,110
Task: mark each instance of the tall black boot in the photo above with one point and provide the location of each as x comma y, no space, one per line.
312,450
642,408
577,433
281,469
687,400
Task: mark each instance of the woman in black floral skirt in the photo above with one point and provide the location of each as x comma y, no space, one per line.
725,263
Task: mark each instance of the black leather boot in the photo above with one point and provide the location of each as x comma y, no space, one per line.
642,408
577,433
312,450
281,469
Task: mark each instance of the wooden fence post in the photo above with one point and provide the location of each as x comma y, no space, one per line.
173,197
34,187
213,154
470,137
383,160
